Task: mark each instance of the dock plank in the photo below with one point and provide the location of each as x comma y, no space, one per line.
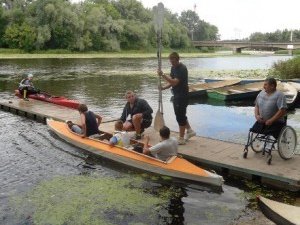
206,151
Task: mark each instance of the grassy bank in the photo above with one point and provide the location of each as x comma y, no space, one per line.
89,55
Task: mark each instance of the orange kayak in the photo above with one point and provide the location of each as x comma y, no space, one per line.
174,167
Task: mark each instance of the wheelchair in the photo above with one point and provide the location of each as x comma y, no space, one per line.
284,140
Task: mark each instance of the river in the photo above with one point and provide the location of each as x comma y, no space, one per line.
46,181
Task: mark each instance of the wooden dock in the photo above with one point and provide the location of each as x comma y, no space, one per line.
223,157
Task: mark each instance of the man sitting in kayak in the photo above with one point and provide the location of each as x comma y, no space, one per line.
89,122
26,87
137,114
165,149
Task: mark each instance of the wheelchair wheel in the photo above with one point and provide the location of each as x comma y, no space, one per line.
256,144
287,142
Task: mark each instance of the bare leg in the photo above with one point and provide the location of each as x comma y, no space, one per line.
137,121
181,131
188,127
127,126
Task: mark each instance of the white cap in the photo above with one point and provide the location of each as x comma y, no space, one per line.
30,75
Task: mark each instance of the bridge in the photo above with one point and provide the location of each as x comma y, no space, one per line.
237,46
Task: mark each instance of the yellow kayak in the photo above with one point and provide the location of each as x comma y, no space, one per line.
173,167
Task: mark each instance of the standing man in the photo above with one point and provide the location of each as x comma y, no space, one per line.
137,114
270,109
178,80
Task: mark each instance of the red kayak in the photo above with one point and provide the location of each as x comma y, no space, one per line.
58,100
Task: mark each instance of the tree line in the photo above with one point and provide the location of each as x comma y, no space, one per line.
94,25
277,36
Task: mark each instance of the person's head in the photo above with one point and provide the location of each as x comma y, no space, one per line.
70,124
119,125
113,140
270,85
130,96
164,132
174,59
82,108
29,76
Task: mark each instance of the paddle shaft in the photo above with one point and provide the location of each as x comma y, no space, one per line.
159,20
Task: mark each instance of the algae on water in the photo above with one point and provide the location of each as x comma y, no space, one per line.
89,200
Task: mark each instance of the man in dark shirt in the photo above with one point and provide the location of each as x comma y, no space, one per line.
89,121
178,80
137,114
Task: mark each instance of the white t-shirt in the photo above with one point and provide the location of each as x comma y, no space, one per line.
163,150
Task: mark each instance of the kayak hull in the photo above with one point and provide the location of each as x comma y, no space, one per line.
175,167
279,213
52,99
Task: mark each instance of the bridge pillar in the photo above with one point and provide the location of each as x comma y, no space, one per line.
237,50
290,52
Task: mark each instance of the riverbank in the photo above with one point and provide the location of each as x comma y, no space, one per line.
123,55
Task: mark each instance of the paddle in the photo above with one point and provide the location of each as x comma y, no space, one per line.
158,24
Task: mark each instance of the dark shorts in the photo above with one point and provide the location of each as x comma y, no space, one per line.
30,90
180,106
273,129
145,123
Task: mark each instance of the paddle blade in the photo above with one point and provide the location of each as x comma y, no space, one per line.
158,17
158,121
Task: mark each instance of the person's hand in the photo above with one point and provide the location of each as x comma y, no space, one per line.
259,118
159,73
269,122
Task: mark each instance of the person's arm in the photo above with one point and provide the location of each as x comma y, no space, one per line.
166,87
83,124
99,119
124,114
146,150
172,81
279,114
257,116
146,108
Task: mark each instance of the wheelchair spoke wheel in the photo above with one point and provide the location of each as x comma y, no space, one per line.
256,144
287,142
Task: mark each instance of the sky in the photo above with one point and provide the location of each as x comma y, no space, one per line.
237,19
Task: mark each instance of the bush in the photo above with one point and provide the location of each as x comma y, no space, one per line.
286,69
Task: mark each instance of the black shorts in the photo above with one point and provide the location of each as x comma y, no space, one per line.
180,105
30,90
273,129
145,123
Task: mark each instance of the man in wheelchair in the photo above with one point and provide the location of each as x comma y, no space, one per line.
270,114
270,110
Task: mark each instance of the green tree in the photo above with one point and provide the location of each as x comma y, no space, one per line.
20,36
198,29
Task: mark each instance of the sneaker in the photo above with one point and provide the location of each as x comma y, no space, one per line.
189,134
25,99
181,141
